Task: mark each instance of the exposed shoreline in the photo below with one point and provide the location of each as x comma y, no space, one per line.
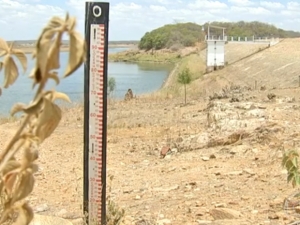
28,50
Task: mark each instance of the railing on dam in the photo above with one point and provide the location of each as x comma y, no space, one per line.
252,39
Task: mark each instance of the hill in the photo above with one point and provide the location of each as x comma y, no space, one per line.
172,36
175,36
248,29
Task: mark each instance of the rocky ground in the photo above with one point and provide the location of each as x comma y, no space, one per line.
224,159
221,162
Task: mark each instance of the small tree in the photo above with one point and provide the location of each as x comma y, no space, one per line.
111,85
184,77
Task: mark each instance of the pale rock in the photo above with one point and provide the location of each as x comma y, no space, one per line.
202,140
137,197
146,162
245,197
163,222
168,157
62,213
224,213
174,150
220,205
41,208
254,211
284,171
205,158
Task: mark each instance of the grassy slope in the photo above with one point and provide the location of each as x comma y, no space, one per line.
196,63
143,56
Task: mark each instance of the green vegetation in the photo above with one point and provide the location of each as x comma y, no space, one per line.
141,56
176,36
184,77
111,85
248,29
290,162
114,214
172,36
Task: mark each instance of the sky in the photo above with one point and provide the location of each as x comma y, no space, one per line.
131,19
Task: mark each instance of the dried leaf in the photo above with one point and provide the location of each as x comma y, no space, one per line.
6,212
76,54
54,76
3,45
55,22
47,120
25,215
9,181
3,53
33,108
1,66
72,23
21,57
54,54
43,46
34,167
67,17
25,186
10,154
11,46
53,95
10,166
36,76
30,155
10,71
18,107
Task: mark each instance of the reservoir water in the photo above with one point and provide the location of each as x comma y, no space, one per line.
140,77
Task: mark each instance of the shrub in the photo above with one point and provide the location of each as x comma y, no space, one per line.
185,34
184,77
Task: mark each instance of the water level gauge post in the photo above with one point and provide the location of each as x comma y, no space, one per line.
95,112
